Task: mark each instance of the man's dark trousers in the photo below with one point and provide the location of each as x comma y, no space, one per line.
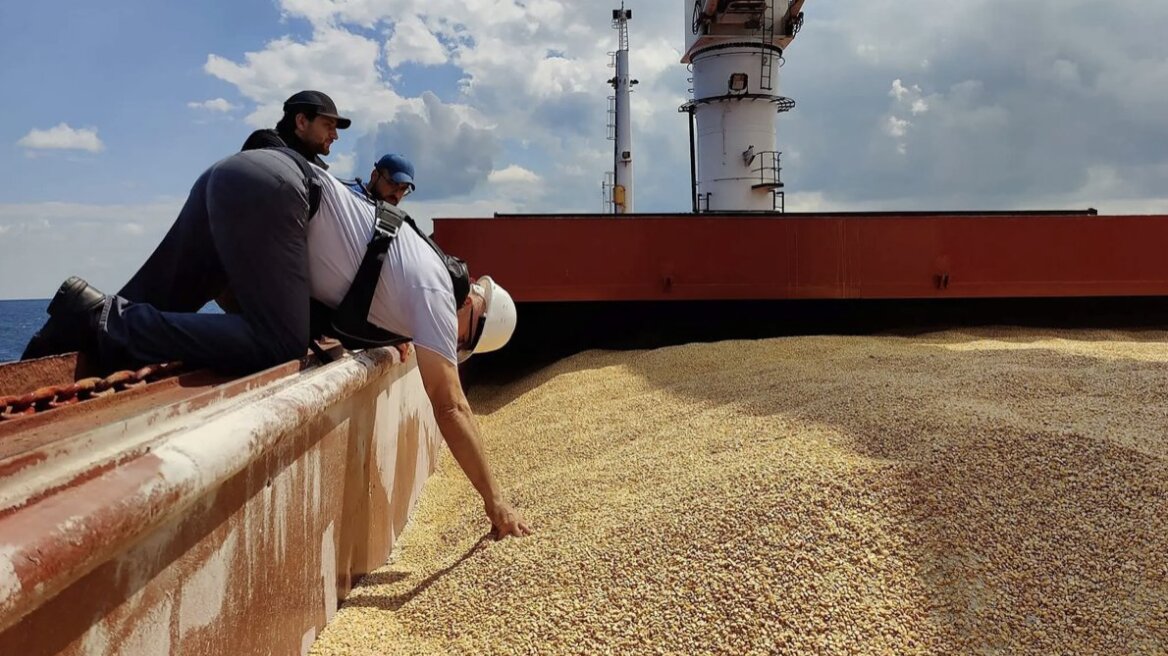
243,227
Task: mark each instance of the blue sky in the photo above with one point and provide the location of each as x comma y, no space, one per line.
113,109
128,68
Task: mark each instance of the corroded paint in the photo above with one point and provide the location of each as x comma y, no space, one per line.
230,526
25,376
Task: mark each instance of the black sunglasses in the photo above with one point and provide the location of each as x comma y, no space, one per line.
387,177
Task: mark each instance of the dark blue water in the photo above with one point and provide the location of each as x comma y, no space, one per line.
18,321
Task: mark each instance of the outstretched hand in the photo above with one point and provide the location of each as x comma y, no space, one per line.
507,521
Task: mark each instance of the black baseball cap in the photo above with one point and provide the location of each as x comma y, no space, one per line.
319,103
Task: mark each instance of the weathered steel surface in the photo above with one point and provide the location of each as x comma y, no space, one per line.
54,397
229,522
813,256
21,377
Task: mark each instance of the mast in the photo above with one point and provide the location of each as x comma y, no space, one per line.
620,124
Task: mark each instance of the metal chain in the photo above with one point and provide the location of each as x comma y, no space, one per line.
55,396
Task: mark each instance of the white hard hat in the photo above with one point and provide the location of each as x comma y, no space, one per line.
498,319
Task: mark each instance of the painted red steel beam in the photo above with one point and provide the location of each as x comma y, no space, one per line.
814,256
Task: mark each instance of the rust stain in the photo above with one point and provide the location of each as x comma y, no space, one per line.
54,396
19,377
107,563
13,465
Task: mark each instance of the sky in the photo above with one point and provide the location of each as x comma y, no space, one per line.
114,108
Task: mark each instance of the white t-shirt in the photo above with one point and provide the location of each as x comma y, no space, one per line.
418,304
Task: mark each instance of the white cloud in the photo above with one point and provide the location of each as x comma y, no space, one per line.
896,127
817,201
898,90
908,119
62,137
424,212
213,105
531,73
41,244
412,41
990,130
911,98
336,61
868,52
61,213
513,174
343,165
452,153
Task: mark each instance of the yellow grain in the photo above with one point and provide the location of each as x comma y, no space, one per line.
990,491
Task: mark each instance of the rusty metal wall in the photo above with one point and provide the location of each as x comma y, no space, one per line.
814,256
234,527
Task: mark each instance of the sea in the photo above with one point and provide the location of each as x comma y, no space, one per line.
20,319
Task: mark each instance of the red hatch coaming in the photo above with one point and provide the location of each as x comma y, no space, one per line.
814,256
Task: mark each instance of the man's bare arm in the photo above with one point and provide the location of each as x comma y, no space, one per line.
457,423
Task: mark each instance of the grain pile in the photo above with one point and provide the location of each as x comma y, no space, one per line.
979,492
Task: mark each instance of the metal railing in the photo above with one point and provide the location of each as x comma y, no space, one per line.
769,170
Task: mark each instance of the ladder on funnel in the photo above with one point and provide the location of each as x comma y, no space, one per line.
768,36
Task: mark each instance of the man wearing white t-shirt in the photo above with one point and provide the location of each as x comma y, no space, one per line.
247,225
415,299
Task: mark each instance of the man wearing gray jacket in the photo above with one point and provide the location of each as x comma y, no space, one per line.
246,225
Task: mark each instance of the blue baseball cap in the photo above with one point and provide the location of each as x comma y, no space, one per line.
398,167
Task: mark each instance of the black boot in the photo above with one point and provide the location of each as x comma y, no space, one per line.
72,324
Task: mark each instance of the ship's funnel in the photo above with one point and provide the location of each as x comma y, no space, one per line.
735,48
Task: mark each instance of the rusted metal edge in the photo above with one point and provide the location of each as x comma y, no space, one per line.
22,376
22,439
16,407
47,390
47,546
24,433
86,445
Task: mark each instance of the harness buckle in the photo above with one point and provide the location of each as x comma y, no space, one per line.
389,220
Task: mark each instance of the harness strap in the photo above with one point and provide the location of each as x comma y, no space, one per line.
351,320
310,180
